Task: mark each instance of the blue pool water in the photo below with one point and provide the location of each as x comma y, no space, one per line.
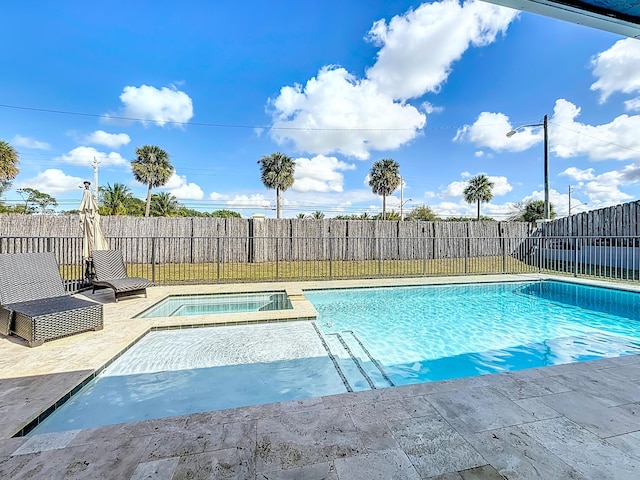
363,338
181,305
420,334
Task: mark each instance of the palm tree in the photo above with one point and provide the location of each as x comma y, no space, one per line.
478,190
531,211
164,205
318,215
384,178
151,167
8,163
114,199
277,173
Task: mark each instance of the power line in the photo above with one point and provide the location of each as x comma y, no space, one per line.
201,124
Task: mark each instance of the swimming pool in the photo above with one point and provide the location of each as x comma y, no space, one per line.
419,334
363,338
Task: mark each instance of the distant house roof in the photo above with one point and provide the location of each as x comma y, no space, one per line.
617,16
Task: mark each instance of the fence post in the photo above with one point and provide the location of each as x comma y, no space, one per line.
575,257
153,259
424,256
539,259
218,259
504,255
277,259
330,256
379,257
466,255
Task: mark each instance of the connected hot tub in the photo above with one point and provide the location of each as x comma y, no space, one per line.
204,304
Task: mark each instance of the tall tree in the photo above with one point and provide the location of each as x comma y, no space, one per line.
151,167
276,171
35,199
478,190
8,164
384,178
422,213
164,204
531,211
114,199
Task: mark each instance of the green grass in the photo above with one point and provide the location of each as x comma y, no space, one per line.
201,273
313,270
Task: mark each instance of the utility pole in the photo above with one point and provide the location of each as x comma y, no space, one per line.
401,197
95,164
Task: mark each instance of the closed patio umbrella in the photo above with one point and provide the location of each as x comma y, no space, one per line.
90,224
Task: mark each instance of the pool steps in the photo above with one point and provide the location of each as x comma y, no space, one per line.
358,369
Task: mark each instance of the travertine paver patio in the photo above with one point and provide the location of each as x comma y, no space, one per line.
568,421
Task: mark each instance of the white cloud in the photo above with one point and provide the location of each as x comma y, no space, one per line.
617,140
52,181
578,174
250,201
26,142
501,185
111,140
418,48
632,105
218,196
479,153
455,189
335,112
604,189
617,69
490,130
181,189
320,174
83,156
430,108
164,105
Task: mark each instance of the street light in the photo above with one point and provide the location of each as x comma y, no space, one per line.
544,124
579,202
402,204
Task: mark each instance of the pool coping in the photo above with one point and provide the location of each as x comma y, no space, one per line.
61,367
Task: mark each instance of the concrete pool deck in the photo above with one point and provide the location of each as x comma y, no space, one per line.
567,421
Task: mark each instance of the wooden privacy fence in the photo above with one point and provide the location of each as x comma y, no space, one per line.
193,240
616,221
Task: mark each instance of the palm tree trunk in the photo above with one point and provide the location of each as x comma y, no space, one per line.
384,207
146,211
278,212
478,209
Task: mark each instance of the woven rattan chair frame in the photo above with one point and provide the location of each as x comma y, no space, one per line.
34,304
109,271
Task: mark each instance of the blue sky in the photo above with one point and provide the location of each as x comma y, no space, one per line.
336,86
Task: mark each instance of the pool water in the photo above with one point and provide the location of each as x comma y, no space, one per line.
363,338
177,372
420,334
181,305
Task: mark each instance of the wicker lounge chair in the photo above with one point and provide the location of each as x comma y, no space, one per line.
109,272
34,304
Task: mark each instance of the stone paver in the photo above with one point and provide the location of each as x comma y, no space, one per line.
569,421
